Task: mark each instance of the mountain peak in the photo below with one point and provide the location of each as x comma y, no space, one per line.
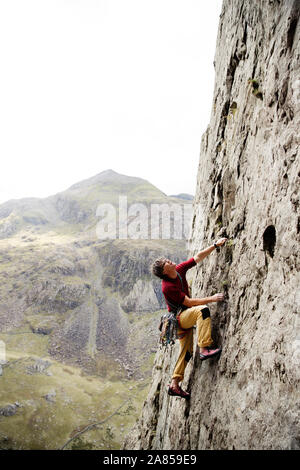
105,176
109,172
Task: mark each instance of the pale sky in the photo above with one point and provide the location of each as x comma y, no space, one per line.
91,85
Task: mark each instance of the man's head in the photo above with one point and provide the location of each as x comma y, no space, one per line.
164,268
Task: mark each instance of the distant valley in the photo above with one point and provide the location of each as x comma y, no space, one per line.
77,311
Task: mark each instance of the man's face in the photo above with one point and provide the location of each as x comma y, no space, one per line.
169,267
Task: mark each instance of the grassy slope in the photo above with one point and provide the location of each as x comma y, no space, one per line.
80,400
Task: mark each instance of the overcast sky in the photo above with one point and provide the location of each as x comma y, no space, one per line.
89,85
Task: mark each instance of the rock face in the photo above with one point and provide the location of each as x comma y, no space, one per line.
248,191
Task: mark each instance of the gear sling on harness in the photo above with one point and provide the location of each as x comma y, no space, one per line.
169,323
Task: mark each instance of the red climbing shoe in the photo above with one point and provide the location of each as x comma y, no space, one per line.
207,353
178,392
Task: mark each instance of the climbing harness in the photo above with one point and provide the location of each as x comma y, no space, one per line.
168,328
169,323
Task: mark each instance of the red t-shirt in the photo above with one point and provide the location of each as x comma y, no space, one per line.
172,288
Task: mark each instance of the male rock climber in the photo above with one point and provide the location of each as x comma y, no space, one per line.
194,311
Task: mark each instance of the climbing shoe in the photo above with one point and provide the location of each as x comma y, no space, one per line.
178,392
208,353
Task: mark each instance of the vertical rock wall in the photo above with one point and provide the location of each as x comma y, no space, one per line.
247,190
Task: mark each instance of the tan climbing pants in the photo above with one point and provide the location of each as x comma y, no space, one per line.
189,318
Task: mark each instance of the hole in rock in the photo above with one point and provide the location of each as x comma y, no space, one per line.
269,240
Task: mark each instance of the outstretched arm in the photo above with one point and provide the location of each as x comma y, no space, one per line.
202,254
206,300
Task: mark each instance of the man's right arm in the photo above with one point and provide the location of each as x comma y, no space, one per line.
206,300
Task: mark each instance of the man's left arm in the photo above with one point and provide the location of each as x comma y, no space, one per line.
202,254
